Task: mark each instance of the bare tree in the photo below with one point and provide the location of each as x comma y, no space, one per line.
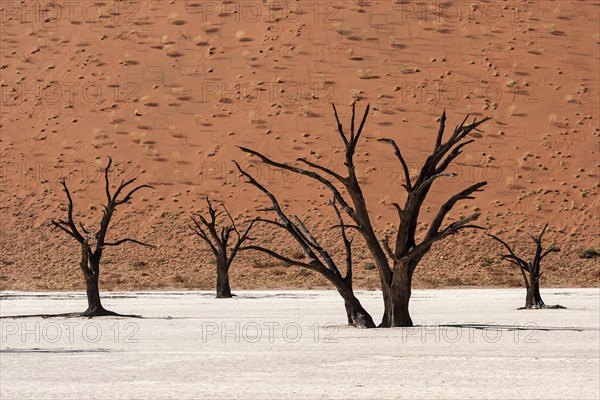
395,264
91,252
319,259
530,270
220,242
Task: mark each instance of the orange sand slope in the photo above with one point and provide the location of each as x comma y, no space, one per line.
169,88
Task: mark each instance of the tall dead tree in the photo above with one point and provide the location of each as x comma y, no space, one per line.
530,270
220,241
395,264
94,243
319,259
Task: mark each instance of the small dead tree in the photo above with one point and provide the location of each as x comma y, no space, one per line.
530,270
319,259
91,252
395,264
220,241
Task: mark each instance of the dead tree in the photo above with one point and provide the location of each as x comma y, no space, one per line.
94,243
319,259
395,264
530,270
219,242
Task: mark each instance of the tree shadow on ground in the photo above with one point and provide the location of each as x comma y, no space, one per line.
525,327
82,315
72,315
544,307
53,351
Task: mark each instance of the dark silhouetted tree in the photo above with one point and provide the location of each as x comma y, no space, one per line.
319,259
395,264
93,244
221,242
530,270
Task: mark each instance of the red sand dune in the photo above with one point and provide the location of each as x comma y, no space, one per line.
169,88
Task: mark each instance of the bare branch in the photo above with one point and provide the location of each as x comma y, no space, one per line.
288,225
347,242
74,232
361,126
537,258
123,185
340,128
315,266
551,249
388,250
352,122
516,261
83,228
246,235
538,240
200,232
402,161
269,221
451,229
336,193
459,128
240,241
127,198
398,209
448,205
106,170
234,228
427,182
119,242
349,226
58,224
430,168
324,169
453,154
542,232
219,242
68,226
465,130
312,241
440,134
519,261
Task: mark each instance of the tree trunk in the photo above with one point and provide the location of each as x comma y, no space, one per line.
93,294
223,289
357,315
396,299
534,298
537,296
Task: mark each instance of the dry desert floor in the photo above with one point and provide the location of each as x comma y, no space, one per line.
294,344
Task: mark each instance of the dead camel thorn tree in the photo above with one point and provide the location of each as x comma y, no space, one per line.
220,242
395,264
319,259
91,252
530,269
